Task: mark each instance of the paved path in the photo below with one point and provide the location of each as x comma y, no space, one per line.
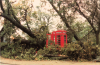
4,61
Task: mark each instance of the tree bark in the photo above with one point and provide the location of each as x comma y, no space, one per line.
1,6
97,38
1,37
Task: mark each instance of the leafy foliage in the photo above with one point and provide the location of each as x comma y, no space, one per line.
17,51
72,51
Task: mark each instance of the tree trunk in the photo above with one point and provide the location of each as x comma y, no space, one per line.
97,38
14,22
1,37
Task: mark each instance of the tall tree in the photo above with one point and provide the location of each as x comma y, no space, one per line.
89,9
62,10
9,14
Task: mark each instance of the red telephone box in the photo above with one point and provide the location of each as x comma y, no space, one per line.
58,37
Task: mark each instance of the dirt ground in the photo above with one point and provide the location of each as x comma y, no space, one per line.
4,61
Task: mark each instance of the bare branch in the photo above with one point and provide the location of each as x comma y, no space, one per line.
28,26
13,12
87,18
19,25
26,19
1,5
15,17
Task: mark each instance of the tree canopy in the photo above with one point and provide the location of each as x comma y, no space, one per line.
65,9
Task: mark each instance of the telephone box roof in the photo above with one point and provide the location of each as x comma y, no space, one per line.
55,32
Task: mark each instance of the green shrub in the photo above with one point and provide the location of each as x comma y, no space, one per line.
75,52
72,51
98,50
17,51
2,44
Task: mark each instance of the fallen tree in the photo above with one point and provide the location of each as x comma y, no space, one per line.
30,43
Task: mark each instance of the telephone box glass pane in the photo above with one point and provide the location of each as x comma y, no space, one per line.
54,38
58,39
64,38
